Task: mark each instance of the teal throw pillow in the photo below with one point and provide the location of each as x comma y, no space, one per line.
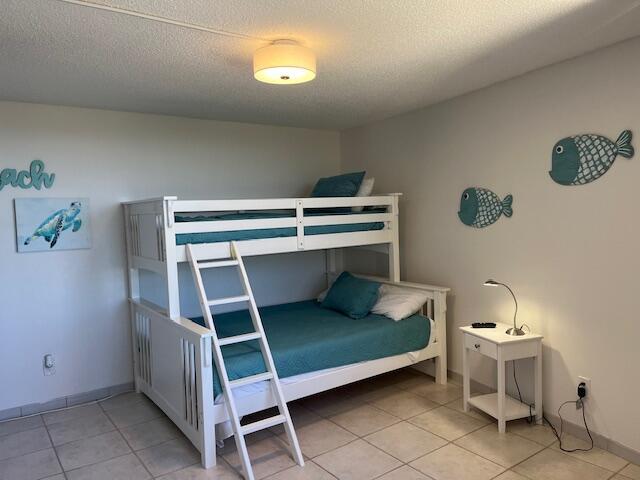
355,297
346,185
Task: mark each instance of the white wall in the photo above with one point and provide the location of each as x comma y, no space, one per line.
72,303
572,254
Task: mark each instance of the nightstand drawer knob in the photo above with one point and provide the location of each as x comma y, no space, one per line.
477,345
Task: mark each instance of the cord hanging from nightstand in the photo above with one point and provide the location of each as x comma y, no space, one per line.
555,432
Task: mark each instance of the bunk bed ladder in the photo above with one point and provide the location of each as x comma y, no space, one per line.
271,375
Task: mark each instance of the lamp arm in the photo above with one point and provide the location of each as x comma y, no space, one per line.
515,314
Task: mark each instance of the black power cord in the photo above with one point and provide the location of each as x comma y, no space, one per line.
582,391
559,436
515,379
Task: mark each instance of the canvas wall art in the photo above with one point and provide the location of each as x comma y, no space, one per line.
480,207
581,159
47,224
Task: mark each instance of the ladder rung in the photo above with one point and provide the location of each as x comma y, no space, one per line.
239,338
260,377
224,301
218,264
263,424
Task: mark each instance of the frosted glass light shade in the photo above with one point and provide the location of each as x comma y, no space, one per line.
284,62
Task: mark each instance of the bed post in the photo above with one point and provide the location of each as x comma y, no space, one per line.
394,247
206,399
133,278
334,264
171,263
440,317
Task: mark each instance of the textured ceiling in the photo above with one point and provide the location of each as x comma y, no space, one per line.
376,58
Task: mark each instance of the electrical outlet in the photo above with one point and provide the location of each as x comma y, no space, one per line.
49,364
587,383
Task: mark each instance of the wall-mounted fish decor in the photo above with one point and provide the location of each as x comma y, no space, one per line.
584,158
480,207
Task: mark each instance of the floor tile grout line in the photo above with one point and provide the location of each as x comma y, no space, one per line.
83,438
86,438
70,409
409,466
399,459
95,463
440,436
531,440
100,461
28,453
323,469
539,452
136,423
142,399
21,431
358,437
55,452
452,442
493,461
134,453
615,472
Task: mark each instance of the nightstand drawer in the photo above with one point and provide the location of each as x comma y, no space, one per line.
481,346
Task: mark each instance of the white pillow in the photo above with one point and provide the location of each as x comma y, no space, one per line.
366,187
399,303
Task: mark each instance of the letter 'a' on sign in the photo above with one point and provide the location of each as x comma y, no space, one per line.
35,177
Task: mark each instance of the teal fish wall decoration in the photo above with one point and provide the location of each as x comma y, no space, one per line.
581,159
480,207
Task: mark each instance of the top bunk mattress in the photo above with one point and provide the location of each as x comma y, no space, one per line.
304,337
237,235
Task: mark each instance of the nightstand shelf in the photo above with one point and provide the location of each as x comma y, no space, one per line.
488,403
495,343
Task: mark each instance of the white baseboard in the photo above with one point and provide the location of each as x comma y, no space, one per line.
63,402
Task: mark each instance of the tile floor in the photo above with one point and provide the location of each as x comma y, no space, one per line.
399,426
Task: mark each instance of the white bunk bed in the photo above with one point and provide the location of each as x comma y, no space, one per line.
173,362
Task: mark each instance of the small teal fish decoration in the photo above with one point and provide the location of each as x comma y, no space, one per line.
581,159
52,226
480,207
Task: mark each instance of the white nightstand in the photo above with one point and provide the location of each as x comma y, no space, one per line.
495,343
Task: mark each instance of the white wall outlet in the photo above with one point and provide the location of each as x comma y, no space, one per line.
49,364
587,382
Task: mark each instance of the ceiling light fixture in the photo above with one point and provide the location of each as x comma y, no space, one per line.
284,62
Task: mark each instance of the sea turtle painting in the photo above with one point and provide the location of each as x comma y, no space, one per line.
56,223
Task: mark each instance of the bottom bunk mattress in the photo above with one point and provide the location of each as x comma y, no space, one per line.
304,337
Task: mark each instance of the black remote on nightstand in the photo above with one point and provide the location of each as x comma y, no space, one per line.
483,325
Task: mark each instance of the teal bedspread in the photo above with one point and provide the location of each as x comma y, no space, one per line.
227,236
304,337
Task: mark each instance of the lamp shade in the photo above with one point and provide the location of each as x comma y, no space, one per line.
284,62
490,283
